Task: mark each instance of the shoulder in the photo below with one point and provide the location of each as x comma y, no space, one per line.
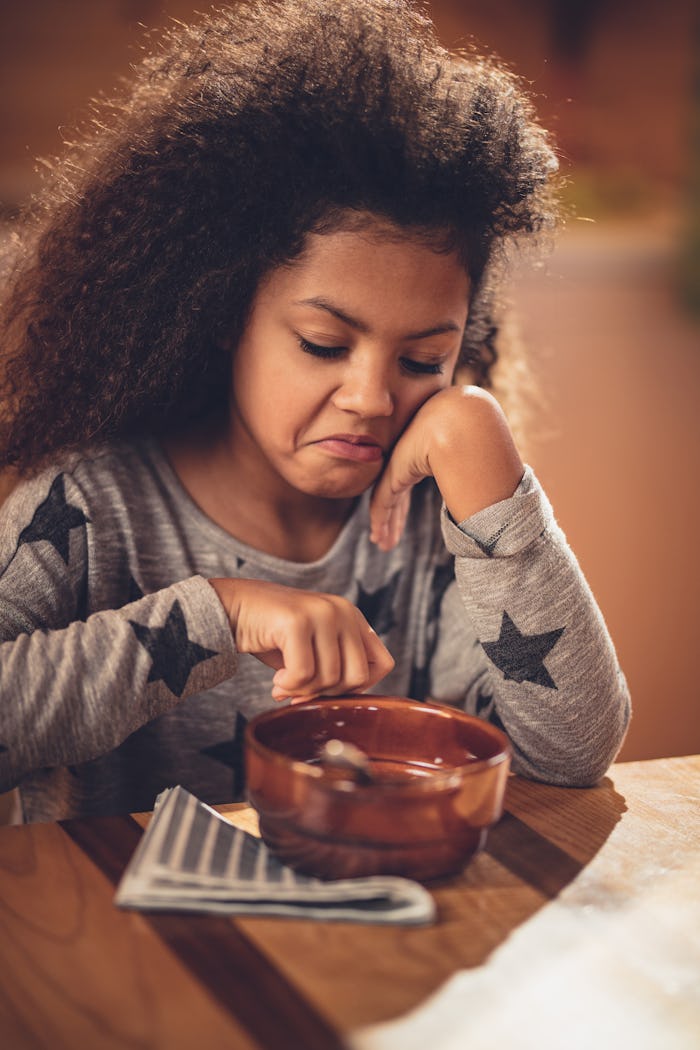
88,482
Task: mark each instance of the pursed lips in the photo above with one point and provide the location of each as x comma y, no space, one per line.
362,448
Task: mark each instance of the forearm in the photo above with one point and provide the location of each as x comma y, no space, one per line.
549,664
70,695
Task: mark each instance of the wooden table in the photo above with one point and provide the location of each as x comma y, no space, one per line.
564,871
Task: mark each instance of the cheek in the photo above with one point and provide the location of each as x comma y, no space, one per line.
413,397
290,408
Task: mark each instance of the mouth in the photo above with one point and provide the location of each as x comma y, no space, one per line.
362,448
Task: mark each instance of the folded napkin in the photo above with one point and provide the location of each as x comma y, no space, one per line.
190,858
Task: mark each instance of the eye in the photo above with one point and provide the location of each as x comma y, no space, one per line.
316,350
422,368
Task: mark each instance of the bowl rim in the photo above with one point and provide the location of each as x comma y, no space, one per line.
437,778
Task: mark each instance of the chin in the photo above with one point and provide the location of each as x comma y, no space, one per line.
337,488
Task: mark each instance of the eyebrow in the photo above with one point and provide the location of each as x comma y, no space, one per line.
323,304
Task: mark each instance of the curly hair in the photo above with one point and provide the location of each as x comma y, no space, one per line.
238,137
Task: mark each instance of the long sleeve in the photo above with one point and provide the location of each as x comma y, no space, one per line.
75,683
542,662
118,671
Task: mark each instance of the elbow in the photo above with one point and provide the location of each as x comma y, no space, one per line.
580,753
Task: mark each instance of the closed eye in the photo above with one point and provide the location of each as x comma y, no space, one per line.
316,350
422,368
408,364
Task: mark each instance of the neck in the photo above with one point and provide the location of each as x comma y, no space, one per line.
278,520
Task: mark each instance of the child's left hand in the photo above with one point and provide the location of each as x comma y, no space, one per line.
459,436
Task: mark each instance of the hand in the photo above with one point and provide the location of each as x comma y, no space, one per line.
459,436
318,644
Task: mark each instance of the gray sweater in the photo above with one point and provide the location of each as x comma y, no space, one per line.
118,670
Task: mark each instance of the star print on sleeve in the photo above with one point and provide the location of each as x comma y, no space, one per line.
520,656
377,607
173,654
488,546
53,520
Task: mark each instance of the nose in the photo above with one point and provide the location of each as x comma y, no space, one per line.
365,390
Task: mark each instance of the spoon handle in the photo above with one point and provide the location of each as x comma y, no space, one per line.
340,754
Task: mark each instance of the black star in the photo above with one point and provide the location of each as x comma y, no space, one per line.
486,708
418,685
442,578
494,719
520,656
377,606
53,520
487,546
135,591
173,654
484,703
230,753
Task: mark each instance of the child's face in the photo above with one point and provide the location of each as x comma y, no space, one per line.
342,348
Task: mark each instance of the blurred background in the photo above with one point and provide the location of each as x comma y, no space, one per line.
611,321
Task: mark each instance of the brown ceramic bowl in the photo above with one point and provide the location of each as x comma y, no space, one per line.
440,777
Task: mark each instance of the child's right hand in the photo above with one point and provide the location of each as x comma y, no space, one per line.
318,644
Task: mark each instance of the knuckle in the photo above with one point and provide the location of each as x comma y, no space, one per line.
303,676
326,614
360,682
331,676
341,605
295,618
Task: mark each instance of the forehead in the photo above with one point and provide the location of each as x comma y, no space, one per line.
375,271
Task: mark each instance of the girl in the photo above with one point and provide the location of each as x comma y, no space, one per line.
231,344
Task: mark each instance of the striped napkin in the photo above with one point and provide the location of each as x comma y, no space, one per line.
190,858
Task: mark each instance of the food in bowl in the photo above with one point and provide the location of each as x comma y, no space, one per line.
436,784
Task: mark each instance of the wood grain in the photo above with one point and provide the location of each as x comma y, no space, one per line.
215,950
597,847
76,972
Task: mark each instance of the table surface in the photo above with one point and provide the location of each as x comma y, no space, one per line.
618,859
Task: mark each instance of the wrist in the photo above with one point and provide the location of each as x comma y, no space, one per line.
480,494
227,591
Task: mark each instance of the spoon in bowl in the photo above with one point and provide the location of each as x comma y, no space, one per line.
339,754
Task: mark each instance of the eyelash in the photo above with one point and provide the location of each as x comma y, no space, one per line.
416,368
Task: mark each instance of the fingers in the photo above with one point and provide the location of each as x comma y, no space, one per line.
380,660
333,652
366,662
317,644
298,659
313,654
388,519
407,465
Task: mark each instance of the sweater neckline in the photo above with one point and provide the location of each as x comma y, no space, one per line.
357,521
